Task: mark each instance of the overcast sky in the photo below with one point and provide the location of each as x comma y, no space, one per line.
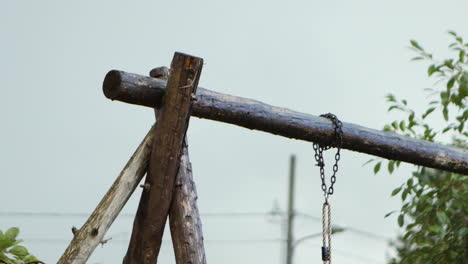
62,143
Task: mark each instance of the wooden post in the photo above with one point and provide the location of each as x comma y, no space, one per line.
252,114
173,119
184,219
92,233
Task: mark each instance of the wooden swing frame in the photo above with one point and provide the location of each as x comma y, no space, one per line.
169,189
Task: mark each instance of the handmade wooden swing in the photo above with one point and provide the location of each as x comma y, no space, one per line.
169,189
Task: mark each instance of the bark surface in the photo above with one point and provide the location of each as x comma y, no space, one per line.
248,113
173,118
184,219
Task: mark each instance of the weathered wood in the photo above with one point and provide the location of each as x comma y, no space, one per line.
92,233
137,89
170,131
184,219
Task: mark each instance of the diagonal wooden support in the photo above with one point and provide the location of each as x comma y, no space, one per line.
184,219
170,130
252,114
87,238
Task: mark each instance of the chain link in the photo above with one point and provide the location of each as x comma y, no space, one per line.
326,210
319,148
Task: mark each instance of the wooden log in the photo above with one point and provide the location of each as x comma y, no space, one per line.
137,89
92,233
170,131
184,219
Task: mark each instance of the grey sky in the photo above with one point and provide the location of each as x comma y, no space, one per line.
62,143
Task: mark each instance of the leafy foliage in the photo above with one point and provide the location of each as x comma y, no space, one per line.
10,250
434,210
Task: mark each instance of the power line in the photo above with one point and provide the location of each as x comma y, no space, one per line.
213,214
214,242
220,241
71,214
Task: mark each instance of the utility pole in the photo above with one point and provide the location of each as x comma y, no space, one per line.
290,238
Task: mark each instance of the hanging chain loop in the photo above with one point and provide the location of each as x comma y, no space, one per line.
319,148
326,210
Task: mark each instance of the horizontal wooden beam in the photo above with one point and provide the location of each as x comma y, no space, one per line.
248,113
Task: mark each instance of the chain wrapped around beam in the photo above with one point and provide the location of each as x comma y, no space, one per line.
326,209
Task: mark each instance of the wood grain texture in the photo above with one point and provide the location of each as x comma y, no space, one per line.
252,114
92,233
170,130
184,218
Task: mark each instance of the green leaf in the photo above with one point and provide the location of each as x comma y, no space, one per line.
377,167
30,258
388,214
449,63
4,244
463,231
453,33
415,45
401,220
435,228
409,183
431,69
396,191
19,251
417,58
393,107
12,233
442,217
390,98
445,113
4,258
463,87
411,117
367,162
451,82
402,125
404,194
391,166
461,56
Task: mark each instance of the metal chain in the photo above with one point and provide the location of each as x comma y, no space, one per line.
319,148
326,210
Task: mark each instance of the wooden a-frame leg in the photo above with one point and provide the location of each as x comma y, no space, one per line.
173,117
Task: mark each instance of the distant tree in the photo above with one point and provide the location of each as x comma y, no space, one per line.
435,203
10,250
